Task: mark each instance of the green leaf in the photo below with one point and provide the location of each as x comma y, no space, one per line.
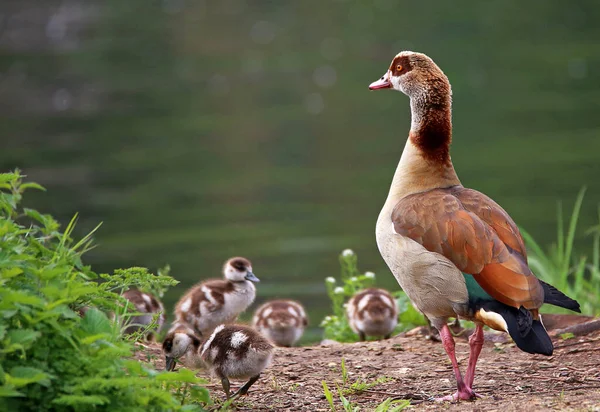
134,367
88,340
199,394
81,399
328,395
24,298
384,406
409,316
400,404
22,336
95,322
8,313
9,177
34,214
10,273
20,376
345,402
183,375
31,185
8,391
192,408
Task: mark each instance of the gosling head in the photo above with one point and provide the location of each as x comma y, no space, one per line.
177,344
413,74
238,269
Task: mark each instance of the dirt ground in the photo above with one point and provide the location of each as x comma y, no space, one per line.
417,369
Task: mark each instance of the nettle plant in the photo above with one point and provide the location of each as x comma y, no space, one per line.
351,282
51,358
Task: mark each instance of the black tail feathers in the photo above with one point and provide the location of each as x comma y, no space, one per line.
537,341
555,297
529,335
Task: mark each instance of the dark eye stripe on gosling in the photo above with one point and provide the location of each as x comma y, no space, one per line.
372,312
214,302
282,321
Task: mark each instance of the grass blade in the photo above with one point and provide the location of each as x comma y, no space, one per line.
560,233
328,396
571,232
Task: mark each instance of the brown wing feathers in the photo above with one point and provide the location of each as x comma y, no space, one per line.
475,234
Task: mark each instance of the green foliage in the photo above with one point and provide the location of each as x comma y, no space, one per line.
53,359
568,335
352,281
328,396
348,388
348,406
360,385
408,316
390,405
562,267
344,371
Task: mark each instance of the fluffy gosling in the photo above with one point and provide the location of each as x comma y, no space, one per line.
282,321
148,306
372,312
231,351
215,302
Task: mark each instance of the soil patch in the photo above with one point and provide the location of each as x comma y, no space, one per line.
418,369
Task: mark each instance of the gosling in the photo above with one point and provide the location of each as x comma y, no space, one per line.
148,306
231,351
282,321
215,302
372,312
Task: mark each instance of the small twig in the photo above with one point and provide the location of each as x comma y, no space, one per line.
580,329
541,378
583,350
566,345
573,388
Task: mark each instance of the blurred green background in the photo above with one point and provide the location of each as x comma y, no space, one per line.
198,130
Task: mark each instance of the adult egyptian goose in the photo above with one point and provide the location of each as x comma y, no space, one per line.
453,250
148,307
231,351
214,302
282,321
372,312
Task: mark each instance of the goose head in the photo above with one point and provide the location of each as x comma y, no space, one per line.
413,74
177,344
238,269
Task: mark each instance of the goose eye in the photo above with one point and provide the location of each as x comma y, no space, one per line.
399,67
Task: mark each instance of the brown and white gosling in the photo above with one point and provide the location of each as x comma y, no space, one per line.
372,312
148,306
214,302
231,351
282,321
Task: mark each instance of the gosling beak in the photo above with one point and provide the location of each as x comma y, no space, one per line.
382,83
250,276
169,363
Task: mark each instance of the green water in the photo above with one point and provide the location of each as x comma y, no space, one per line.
200,130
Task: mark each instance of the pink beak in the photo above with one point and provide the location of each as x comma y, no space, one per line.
382,83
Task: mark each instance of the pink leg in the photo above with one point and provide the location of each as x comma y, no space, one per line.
476,343
464,392
448,342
